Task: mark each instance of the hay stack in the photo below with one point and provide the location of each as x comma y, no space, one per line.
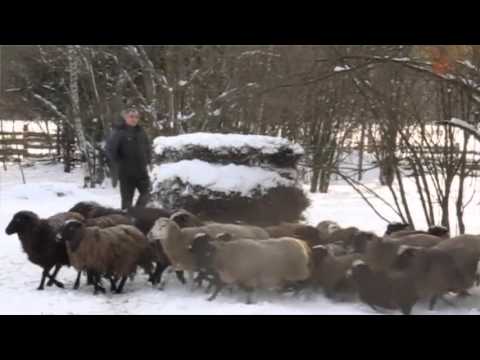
229,177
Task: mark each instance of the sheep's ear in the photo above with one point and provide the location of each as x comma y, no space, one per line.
320,250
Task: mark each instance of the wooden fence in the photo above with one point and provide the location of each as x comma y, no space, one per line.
17,145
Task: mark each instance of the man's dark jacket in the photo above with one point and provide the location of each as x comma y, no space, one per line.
129,148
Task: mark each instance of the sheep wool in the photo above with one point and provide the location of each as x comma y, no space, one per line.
263,264
115,250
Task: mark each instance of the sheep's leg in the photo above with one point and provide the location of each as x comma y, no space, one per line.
249,296
181,277
113,283
77,281
97,284
156,277
90,280
374,307
433,301
218,287
56,282
199,279
191,280
209,287
42,281
447,302
463,293
163,283
406,309
121,285
54,275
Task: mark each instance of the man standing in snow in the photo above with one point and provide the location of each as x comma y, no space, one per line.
129,149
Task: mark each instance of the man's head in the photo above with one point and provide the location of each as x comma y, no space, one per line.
131,117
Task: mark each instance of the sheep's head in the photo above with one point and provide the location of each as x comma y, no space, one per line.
307,233
22,221
381,253
361,239
203,250
440,231
319,253
405,256
394,227
184,219
359,270
70,234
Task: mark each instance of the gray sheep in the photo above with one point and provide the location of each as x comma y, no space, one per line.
175,241
251,264
381,253
465,250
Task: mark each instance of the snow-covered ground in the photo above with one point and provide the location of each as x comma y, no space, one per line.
49,190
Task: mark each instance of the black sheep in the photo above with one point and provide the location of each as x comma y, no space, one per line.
38,241
145,217
92,209
390,290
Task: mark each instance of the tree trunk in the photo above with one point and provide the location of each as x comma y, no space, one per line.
77,120
360,152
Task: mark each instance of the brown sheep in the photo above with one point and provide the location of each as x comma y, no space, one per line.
330,271
465,250
251,264
433,271
115,251
381,253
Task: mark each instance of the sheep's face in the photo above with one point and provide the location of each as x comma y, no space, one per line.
319,253
360,271
203,250
394,227
381,253
185,219
21,222
181,219
405,256
69,233
361,239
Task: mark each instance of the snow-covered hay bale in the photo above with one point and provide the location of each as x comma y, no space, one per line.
228,193
238,149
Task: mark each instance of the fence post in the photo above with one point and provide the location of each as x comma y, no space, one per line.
25,140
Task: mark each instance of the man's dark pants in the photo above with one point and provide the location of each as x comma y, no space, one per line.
128,184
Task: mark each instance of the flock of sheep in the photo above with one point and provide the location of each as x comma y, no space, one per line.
393,271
